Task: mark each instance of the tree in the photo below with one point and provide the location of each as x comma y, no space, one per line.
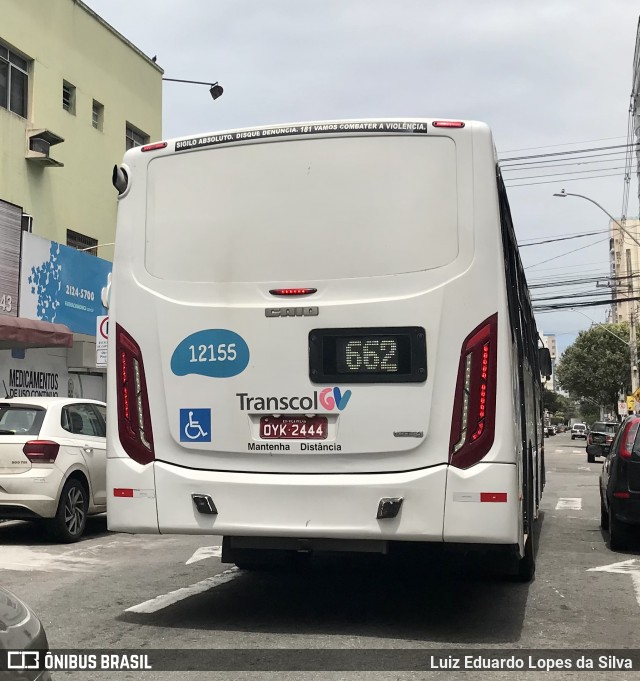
551,401
589,412
597,365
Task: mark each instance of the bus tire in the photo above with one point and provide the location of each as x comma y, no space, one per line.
526,569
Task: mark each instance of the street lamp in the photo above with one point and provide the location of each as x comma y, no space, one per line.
215,90
633,347
562,194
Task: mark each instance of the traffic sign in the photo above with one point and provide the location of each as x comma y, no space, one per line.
102,340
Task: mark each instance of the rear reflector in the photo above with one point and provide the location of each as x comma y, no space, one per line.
122,492
493,497
474,408
154,146
292,291
622,495
41,451
448,124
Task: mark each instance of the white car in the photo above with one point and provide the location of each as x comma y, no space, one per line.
53,462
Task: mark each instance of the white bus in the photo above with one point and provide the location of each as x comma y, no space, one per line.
321,339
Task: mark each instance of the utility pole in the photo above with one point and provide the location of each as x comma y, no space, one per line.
633,346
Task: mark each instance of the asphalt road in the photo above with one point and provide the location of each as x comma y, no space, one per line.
118,592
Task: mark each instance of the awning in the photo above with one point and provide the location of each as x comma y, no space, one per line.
16,332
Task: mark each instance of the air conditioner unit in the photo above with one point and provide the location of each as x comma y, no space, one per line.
39,143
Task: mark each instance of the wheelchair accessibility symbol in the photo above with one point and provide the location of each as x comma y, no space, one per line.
195,425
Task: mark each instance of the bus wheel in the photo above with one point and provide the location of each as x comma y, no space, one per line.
527,564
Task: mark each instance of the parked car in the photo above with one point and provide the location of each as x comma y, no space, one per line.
53,462
549,430
620,484
601,433
578,430
21,630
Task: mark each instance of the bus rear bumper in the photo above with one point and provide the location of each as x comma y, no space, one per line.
341,506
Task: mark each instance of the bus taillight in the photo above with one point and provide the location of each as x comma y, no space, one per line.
134,418
474,409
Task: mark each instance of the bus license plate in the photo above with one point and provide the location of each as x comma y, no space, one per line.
293,427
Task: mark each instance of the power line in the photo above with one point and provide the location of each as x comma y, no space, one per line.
563,238
572,172
566,153
590,303
569,179
564,144
555,257
558,162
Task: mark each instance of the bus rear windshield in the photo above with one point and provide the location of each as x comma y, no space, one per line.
303,210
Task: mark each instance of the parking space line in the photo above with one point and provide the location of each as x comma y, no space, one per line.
569,504
165,600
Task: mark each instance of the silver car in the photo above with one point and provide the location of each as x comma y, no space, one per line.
21,630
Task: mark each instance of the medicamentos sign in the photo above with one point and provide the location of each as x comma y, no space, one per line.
61,284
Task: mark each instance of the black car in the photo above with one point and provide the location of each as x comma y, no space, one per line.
601,433
21,631
620,484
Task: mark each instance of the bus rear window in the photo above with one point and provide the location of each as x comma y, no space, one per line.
303,210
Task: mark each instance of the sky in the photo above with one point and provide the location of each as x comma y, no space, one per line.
548,76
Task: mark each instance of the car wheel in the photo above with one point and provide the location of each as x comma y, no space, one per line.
591,458
604,514
71,516
573,437
618,533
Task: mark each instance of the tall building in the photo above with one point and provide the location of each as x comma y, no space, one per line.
624,262
74,95
549,341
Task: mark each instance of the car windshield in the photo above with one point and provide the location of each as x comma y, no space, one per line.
579,427
605,427
20,419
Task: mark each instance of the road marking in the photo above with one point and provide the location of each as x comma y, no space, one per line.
164,601
625,567
569,504
584,468
26,559
205,552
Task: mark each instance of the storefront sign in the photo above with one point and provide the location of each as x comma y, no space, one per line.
41,373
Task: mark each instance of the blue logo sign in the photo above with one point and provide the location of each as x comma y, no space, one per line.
62,285
218,353
195,425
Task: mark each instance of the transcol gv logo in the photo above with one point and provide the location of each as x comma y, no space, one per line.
327,398
332,397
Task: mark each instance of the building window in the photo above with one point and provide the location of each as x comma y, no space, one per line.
68,97
81,242
26,224
97,115
135,137
14,81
